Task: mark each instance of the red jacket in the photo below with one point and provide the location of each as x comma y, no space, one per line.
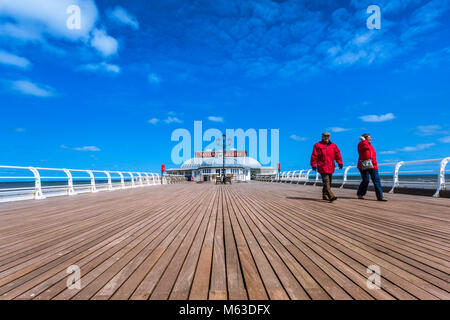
324,155
366,151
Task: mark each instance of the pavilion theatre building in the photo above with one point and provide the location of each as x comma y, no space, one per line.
207,165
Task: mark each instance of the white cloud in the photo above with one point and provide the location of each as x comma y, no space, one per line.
19,32
85,148
173,120
153,121
338,129
215,119
297,138
378,118
103,67
29,88
418,147
430,130
49,18
42,20
120,15
445,139
104,43
153,78
415,148
13,60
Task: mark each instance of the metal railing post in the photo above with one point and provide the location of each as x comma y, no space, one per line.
345,176
132,180
153,178
91,175
147,178
307,176
70,190
38,194
286,176
291,176
122,182
441,176
317,177
395,182
109,180
300,176
141,184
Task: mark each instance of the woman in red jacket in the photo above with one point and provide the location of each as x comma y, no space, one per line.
366,151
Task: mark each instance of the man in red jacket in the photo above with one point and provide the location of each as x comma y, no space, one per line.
325,153
366,151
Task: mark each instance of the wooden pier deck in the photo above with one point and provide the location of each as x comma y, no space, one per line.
244,241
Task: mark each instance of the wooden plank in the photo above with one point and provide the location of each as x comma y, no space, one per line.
235,280
184,281
95,259
244,241
101,276
171,271
273,286
202,276
218,285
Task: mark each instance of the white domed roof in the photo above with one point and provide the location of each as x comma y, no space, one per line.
239,162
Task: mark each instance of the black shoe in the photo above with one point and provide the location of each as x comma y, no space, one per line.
332,199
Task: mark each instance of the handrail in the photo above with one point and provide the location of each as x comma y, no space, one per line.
286,176
441,178
97,181
70,190
307,176
300,175
345,175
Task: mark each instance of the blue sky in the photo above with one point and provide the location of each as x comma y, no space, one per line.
108,96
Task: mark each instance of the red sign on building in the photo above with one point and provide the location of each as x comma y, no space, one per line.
212,154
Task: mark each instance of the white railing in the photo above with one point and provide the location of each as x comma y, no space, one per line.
305,176
40,183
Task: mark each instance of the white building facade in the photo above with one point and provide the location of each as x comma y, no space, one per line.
207,166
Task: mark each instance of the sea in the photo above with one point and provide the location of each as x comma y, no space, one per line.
422,181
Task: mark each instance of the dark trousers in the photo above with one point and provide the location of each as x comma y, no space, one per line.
366,175
326,189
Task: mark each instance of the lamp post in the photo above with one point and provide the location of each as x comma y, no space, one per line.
224,145
224,137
